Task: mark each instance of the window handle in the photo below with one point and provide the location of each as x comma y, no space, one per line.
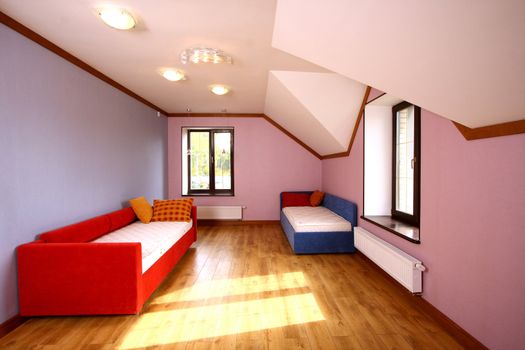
413,162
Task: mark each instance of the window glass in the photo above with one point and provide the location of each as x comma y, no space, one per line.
207,161
200,160
222,160
405,161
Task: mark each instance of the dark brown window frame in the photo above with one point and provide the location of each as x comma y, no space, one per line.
212,191
413,219
405,231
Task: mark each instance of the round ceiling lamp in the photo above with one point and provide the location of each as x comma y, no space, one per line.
117,18
173,75
219,89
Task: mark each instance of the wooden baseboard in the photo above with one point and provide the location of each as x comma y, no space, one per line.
11,324
461,335
234,222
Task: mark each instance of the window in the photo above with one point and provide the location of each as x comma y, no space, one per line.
391,166
209,163
406,162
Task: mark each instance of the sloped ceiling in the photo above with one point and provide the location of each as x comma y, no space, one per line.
318,108
164,29
460,59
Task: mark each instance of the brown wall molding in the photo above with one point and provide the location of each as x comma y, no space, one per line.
461,335
37,38
496,130
11,324
290,135
377,97
215,115
356,127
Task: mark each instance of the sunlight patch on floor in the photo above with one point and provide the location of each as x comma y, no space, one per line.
234,286
173,326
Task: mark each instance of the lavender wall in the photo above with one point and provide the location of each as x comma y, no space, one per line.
72,147
266,163
472,227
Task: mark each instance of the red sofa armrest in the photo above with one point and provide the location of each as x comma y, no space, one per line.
79,278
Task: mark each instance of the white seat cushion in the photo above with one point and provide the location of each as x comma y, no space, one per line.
155,238
316,219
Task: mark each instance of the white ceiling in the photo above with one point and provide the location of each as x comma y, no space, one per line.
460,59
319,108
385,100
241,28
463,60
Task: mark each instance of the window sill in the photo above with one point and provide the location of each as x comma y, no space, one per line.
401,229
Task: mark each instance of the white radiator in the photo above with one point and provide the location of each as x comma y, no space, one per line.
402,267
219,212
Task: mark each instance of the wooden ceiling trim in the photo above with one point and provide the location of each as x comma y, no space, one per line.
356,127
292,136
215,115
496,130
40,40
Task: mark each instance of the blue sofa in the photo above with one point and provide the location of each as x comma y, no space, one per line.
323,242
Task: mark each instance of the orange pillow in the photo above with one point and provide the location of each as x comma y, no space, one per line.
172,209
316,198
142,209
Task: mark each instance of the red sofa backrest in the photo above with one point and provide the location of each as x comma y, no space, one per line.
121,218
91,229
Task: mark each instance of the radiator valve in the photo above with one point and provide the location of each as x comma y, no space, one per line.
421,267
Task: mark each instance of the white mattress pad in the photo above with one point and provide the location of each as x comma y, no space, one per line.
316,219
155,238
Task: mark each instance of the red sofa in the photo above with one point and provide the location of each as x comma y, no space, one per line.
62,273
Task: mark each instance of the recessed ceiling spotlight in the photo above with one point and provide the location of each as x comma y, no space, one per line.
117,18
173,75
219,89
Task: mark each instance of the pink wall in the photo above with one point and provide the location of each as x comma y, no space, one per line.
266,163
472,229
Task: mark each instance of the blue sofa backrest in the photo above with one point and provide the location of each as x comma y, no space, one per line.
341,207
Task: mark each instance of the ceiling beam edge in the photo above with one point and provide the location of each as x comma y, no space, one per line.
292,136
356,127
40,40
215,115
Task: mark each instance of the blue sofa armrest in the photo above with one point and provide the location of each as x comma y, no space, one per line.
342,207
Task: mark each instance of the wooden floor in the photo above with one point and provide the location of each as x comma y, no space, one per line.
241,287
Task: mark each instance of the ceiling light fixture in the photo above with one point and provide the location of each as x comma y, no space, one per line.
219,89
173,75
204,55
117,18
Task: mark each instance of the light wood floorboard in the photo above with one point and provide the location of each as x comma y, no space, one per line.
240,287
